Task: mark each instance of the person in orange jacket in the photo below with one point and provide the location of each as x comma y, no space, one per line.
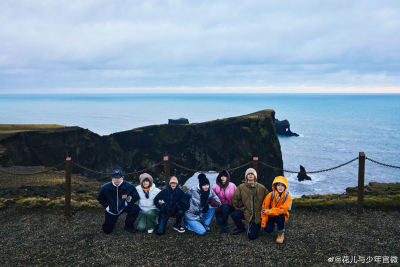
275,208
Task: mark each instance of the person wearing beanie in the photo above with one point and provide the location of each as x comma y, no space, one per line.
224,189
117,197
200,207
148,211
171,202
275,208
247,201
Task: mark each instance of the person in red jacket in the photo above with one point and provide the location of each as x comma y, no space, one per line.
275,208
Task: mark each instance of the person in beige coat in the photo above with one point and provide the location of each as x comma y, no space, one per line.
247,200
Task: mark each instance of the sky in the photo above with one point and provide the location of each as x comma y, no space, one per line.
260,46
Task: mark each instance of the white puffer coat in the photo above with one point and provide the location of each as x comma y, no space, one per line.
146,204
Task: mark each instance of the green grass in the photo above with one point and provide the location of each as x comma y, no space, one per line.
10,129
383,196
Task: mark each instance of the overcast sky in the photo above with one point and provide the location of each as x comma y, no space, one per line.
199,46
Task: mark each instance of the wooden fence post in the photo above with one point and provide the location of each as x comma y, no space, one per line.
361,175
255,165
68,187
166,170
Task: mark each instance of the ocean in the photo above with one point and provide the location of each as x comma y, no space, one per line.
333,128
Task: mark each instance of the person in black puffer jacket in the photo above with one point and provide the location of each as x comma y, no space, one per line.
118,197
172,202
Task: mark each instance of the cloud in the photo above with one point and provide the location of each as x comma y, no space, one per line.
148,44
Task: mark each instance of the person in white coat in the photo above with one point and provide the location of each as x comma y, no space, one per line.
148,211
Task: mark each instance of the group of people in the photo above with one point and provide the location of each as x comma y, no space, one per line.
250,201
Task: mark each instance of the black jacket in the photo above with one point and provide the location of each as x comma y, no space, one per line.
174,200
111,196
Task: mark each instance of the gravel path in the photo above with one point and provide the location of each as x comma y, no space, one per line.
38,237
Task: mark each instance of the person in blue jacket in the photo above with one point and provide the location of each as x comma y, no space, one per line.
172,202
117,197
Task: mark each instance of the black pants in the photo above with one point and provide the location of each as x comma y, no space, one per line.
223,215
237,217
164,219
110,220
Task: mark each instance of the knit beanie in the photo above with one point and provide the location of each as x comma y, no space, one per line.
173,179
203,179
250,170
144,176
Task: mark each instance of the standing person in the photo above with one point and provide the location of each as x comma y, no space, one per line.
275,208
172,202
148,211
224,190
118,197
200,196
252,195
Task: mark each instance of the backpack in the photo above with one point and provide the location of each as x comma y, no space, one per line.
279,197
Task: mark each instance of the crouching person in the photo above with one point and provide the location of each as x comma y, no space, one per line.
224,190
172,202
200,196
148,211
275,208
118,197
247,200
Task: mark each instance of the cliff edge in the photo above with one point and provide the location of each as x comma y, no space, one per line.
213,145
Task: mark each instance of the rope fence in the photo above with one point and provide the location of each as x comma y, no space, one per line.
383,164
68,163
312,171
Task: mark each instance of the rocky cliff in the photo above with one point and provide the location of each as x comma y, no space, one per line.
213,145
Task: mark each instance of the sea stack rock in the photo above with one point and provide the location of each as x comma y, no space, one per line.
283,128
178,121
303,176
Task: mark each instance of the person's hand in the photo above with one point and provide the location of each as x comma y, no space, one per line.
160,202
264,211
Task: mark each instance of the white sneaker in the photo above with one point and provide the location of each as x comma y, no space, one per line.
150,231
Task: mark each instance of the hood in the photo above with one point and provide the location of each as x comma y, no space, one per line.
143,176
228,178
279,179
169,186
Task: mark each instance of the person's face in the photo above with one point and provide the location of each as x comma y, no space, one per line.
205,187
117,180
173,185
146,183
280,188
250,178
223,179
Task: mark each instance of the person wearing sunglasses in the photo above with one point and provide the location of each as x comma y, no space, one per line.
117,197
148,211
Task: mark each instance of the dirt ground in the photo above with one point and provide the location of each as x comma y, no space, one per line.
43,237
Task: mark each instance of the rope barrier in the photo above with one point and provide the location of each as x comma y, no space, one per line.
210,172
383,164
192,170
32,173
109,174
312,171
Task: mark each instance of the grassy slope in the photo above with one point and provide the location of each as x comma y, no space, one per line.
9,129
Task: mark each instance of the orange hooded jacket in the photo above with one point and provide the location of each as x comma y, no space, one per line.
276,208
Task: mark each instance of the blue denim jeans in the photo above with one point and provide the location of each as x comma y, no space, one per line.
197,226
223,215
280,222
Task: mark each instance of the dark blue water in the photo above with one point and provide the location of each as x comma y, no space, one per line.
333,128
